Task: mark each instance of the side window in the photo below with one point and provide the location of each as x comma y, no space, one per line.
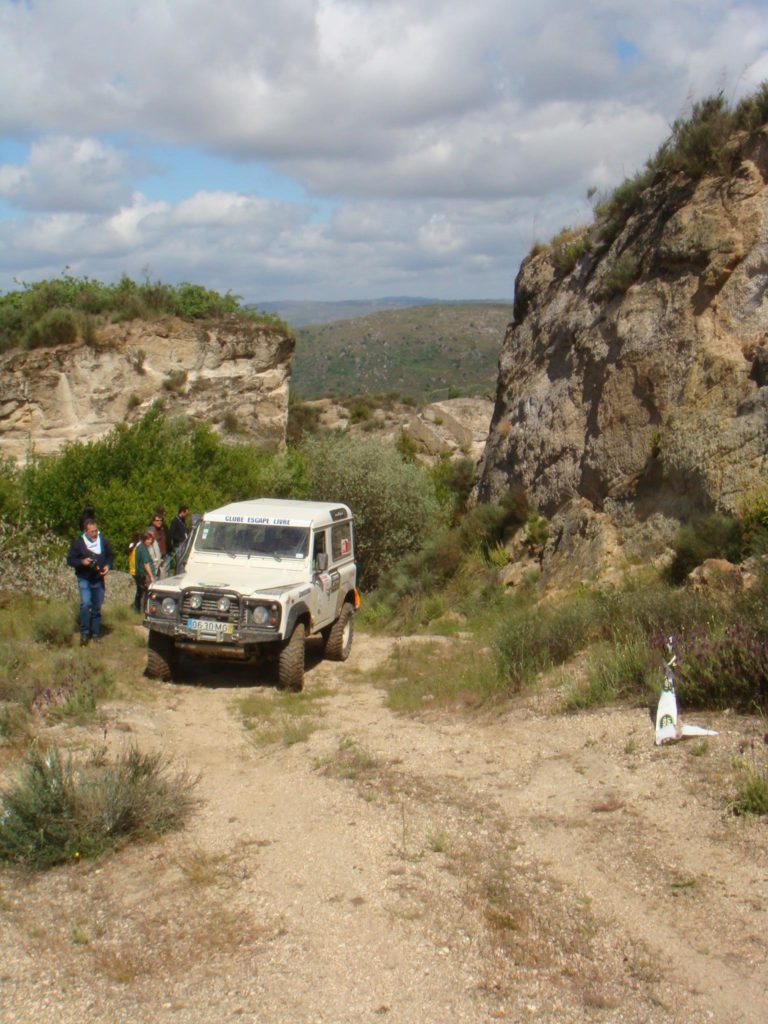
341,541
318,545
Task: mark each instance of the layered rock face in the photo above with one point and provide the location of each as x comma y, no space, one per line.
648,399
232,372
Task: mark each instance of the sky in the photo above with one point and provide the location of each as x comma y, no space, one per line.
337,149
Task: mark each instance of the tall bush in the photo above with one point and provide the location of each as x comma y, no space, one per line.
393,501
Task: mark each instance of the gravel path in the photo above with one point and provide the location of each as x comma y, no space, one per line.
449,868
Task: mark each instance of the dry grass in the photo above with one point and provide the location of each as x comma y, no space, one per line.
200,867
281,717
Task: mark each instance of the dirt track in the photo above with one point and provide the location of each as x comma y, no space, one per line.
453,868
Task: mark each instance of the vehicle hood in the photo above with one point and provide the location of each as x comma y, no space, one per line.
246,578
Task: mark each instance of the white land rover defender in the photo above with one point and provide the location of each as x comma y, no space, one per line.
258,577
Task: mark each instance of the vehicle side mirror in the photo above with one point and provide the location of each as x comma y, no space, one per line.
321,561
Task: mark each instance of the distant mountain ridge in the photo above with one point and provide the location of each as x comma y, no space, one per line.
304,312
427,352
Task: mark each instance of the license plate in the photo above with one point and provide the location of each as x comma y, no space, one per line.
209,626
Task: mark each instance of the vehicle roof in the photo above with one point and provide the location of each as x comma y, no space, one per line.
271,509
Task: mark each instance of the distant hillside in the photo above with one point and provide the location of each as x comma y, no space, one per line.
303,312
425,352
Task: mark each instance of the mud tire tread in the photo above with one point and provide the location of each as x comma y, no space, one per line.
161,657
338,642
290,661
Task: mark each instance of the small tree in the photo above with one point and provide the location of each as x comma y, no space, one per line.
393,501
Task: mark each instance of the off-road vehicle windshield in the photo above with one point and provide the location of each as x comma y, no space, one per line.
253,540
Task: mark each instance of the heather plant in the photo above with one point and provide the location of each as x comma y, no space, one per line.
56,810
721,666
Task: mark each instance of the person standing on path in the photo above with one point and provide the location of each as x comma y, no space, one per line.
91,557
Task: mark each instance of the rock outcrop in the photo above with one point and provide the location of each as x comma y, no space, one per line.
637,380
233,372
454,428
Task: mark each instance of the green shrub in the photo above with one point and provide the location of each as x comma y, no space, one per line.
55,811
303,419
453,482
407,446
53,624
79,683
622,274
15,672
713,536
11,498
393,501
359,412
625,670
751,780
536,530
49,310
56,327
752,111
698,144
127,473
175,381
568,247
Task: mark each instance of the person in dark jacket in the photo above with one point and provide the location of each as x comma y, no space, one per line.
91,557
178,530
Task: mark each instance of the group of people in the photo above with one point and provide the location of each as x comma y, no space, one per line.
150,554
152,550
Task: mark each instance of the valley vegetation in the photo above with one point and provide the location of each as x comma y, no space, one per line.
422,353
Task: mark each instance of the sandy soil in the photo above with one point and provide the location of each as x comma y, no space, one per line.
462,867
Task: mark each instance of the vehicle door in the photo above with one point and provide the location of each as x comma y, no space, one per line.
343,571
322,581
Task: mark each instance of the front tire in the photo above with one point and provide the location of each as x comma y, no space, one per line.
161,656
338,642
290,660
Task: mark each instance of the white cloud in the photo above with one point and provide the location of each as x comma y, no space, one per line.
445,134
63,173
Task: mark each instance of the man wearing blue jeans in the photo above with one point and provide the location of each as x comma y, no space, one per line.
91,557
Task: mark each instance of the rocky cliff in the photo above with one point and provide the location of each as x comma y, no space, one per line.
233,372
633,383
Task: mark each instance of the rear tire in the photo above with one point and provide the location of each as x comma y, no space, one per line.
338,642
290,661
161,656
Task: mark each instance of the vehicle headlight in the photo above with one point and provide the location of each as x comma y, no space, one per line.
168,606
260,615
196,602
223,604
